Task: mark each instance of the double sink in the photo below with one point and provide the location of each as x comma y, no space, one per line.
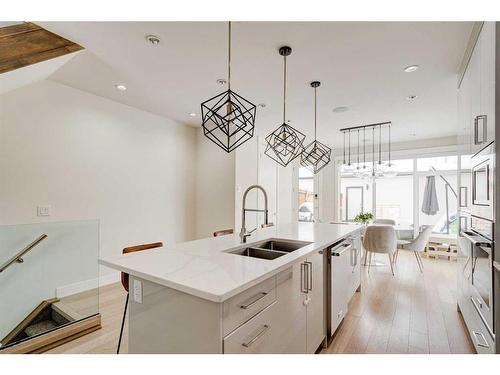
270,249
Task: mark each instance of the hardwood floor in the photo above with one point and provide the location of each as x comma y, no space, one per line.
105,340
408,313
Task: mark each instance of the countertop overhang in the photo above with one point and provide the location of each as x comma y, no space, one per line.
205,269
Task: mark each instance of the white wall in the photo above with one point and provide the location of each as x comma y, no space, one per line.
254,167
325,186
215,187
89,157
287,195
246,174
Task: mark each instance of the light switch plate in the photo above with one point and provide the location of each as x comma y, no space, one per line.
137,291
43,210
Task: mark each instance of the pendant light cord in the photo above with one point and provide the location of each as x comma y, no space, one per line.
344,146
373,151
364,148
389,145
284,89
229,58
315,111
358,151
380,144
349,163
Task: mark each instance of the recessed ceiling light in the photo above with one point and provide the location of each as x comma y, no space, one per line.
121,87
221,81
411,68
412,97
192,114
341,109
153,39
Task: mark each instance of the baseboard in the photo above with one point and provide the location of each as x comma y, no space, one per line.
82,286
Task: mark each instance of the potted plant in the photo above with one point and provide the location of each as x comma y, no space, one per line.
363,217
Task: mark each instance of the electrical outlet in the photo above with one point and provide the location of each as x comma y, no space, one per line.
43,210
137,291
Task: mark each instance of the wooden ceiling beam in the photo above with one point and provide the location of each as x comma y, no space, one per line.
27,43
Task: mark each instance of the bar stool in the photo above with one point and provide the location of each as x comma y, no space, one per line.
125,278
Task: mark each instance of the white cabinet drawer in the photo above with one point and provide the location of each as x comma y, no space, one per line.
240,308
483,342
256,336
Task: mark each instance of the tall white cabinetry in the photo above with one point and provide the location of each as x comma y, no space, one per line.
476,96
476,129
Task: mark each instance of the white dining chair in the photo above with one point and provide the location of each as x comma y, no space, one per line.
380,239
417,245
385,221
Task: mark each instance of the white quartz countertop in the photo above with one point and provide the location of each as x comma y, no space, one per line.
203,268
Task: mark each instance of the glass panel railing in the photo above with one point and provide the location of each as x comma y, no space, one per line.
49,277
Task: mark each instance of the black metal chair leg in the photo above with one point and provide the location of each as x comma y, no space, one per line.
123,324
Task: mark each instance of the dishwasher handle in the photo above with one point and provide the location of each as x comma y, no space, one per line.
341,249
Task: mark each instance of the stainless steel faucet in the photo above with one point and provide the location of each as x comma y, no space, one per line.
243,233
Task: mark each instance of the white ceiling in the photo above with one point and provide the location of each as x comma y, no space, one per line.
360,65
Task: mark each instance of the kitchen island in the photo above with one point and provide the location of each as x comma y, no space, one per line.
204,296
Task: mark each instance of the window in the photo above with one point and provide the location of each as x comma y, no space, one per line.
442,213
403,198
394,199
440,163
355,197
403,165
306,195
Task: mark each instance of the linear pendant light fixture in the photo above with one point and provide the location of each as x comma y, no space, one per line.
316,155
228,119
378,168
390,170
285,143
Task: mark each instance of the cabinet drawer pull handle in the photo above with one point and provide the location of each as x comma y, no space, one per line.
303,285
253,300
477,139
309,276
262,331
480,339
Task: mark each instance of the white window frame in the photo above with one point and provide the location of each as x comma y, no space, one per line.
414,155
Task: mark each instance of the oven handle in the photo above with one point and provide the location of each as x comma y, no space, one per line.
474,241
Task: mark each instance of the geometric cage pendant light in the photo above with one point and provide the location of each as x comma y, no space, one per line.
228,119
285,143
316,155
